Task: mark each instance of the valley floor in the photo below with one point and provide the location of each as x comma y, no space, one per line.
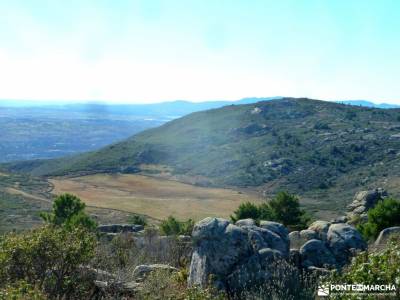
154,197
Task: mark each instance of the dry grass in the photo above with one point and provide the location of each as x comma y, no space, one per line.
154,197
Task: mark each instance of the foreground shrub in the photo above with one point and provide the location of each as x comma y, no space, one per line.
286,282
137,220
69,211
284,208
380,267
48,258
172,226
385,214
164,285
21,291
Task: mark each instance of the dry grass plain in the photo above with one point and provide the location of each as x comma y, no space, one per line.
154,197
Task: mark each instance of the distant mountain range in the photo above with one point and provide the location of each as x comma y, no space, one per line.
30,130
323,151
165,110
368,104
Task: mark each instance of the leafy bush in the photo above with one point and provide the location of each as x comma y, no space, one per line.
385,214
68,211
246,210
21,291
380,267
137,220
172,226
50,258
284,208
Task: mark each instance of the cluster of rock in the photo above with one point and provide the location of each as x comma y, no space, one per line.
325,244
239,255
236,256
362,202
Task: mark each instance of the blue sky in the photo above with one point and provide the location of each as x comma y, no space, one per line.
150,51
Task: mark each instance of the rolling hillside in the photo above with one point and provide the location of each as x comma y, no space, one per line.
321,150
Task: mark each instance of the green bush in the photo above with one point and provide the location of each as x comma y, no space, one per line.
137,220
385,214
246,210
21,291
284,208
69,211
380,267
49,258
172,226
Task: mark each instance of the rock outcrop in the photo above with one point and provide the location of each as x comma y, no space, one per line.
362,202
235,256
314,253
386,234
344,241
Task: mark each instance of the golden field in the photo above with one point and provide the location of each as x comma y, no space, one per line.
154,197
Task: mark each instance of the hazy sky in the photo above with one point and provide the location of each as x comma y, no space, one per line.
148,51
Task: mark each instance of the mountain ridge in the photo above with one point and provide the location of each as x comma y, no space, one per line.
320,150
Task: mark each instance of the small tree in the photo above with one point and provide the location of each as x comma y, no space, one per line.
385,214
284,208
246,210
69,211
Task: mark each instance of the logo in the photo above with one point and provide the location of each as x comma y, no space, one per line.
323,290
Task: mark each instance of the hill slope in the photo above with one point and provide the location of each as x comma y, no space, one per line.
302,145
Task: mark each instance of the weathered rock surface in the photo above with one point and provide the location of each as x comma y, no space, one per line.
245,222
235,256
315,253
308,234
299,238
344,241
362,202
321,228
386,234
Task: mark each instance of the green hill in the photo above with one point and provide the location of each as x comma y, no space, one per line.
301,145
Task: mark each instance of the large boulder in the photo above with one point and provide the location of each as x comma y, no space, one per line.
362,202
344,241
299,238
321,229
315,253
235,256
386,235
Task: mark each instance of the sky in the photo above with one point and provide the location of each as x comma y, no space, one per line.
153,50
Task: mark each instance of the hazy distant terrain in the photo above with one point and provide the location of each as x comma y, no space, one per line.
40,130
32,133
35,130
321,150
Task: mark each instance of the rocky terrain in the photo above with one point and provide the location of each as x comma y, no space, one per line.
235,257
